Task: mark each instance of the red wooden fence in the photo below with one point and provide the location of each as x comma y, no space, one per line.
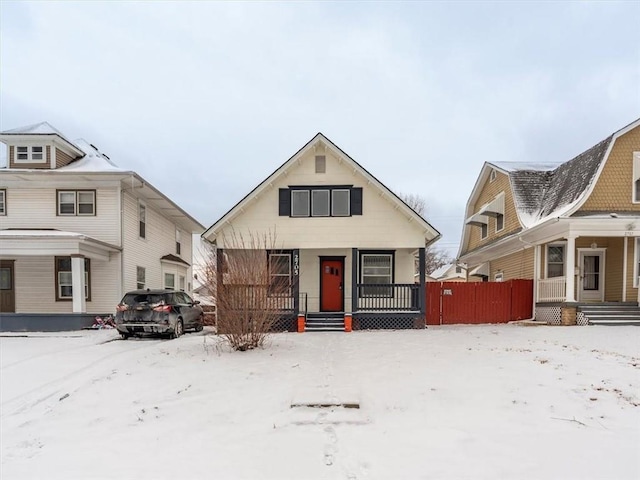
479,302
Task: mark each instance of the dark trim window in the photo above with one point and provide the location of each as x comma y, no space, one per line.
64,283
279,273
325,201
76,202
377,273
141,276
499,222
3,202
32,154
484,231
555,261
142,220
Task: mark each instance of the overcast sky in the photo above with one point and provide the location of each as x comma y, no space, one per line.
204,100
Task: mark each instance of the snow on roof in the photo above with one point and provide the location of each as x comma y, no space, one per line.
530,166
93,161
39,233
438,272
42,128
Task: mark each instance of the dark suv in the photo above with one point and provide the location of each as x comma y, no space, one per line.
159,312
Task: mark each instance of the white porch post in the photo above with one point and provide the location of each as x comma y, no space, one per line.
536,273
77,282
571,269
625,249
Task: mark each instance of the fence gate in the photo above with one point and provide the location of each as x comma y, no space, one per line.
479,302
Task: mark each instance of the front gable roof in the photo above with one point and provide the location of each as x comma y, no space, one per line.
548,190
431,234
38,129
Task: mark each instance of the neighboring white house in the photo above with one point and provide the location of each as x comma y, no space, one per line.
76,232
449,273
346,244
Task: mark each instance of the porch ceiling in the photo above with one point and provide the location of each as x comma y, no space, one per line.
15,243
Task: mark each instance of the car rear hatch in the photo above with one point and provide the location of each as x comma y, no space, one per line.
144,308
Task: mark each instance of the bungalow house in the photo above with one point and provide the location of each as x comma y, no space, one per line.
573,227
76,232
346,244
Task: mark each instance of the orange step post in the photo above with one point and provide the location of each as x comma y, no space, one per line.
300,323
347,322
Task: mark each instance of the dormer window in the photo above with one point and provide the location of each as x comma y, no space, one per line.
30,154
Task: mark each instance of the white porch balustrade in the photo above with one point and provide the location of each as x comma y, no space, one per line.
552,289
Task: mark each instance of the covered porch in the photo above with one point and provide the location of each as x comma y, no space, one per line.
369,288
72,276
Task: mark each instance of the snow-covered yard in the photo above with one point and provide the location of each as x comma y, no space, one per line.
448,402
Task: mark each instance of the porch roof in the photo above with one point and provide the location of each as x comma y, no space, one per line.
50,242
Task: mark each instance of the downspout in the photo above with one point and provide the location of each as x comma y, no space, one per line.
121,197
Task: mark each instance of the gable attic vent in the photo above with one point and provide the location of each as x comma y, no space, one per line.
321,164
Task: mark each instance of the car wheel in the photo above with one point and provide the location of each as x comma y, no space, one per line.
124,336
179,329
200,323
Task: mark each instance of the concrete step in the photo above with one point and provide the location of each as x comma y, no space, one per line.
614,322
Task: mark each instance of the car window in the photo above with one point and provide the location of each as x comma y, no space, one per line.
135,299
187,298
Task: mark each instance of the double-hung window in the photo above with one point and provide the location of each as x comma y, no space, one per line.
279,274
141,274
170,280
3,202
76,202
142,220
30,154
64,278
376,274
319,203
178,245
555,261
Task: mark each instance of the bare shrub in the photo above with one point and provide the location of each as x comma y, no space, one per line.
248,296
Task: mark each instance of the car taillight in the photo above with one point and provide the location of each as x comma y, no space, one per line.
162,308
122,308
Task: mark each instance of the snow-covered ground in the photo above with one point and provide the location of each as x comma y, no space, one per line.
481,402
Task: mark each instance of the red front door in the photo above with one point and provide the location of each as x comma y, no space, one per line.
331,278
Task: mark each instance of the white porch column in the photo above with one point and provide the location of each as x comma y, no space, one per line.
571,269
536,273
77,282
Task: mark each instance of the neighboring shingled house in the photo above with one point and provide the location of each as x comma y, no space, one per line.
449,273
76,232
573,227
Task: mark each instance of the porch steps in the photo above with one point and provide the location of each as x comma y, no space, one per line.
612,313
324,322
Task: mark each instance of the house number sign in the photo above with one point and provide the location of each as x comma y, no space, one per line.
296,264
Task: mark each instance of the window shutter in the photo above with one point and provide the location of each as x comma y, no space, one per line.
284,203
356,201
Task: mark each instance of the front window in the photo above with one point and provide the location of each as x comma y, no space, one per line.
499,222
64,278
141,275
340,203
3,202
279,273
484,230
76,202
376,274
30,154
169,280
555,261
320,203
300,203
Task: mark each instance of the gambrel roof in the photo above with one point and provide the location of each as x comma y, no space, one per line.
431,234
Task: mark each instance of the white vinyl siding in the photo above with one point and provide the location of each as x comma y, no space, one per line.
382,225
30,207
147,253
35,278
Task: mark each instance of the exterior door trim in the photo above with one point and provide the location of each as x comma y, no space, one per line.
10,305
334,258
584,295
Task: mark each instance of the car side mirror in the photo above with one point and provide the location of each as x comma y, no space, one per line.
196,302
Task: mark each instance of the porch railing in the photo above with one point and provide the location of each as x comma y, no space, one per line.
380,297
552,289
255,297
